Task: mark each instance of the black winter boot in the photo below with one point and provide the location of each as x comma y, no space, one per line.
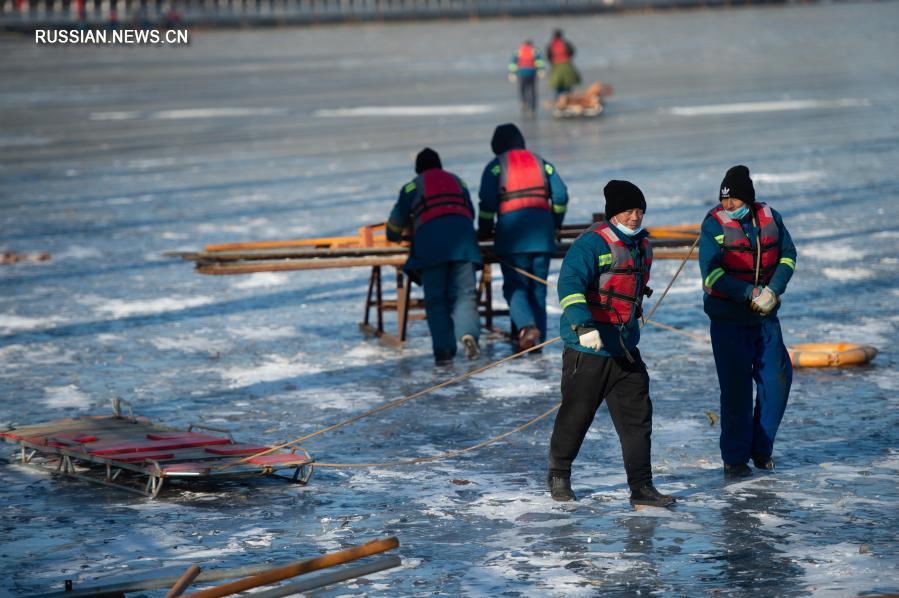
740,470
762,462
442,359
560,488
648,495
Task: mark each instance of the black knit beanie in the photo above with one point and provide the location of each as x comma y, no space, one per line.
737,185
426,160
506,137
622,196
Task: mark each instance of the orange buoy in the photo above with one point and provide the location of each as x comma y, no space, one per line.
816,355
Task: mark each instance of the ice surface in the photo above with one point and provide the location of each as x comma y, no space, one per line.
110,157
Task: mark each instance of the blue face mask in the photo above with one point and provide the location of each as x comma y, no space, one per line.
628,231
738,213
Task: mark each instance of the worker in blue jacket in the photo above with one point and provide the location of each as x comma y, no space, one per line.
525,66
746,258
602,282
444,253
527,198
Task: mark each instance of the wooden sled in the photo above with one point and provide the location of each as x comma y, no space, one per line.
578,104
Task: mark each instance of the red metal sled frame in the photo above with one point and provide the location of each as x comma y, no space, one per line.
63,446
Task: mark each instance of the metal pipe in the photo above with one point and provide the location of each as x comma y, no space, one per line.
320,581
155,583
298,568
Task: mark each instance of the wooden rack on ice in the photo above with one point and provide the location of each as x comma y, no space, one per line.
370,248
134,454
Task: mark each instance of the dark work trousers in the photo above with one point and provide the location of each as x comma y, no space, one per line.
743,354
527,90
525,296
589,379
451,305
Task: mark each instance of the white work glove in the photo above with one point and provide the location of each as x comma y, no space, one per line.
589,337
763,300
512,78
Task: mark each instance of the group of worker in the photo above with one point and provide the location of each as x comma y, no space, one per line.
746,259
527,64
522,204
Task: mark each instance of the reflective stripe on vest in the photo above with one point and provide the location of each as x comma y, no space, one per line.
522,183
527,57
738,257
613,296
439,194
559,51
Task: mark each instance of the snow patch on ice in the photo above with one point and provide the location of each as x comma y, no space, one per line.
119,308
831,252
263,333
77,252
259,280
276,368
847,274
838,570
437,110
346,400
190,113
10,323
802,176
61,397
868,331
17,357
187,344
770,521
774,106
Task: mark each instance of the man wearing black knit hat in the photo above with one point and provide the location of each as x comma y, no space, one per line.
746,258
601,286
444,253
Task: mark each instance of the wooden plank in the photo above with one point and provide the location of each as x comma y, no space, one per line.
311,264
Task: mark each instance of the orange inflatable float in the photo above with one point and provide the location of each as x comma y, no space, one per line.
830,354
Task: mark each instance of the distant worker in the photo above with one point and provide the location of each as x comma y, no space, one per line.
524,66
563,76
444,253
746,258
528,199
602,283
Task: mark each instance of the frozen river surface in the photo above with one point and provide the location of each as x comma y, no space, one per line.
110,156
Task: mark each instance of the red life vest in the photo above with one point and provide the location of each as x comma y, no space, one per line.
612,295
522,183
439,194
738,258
558,51
527,58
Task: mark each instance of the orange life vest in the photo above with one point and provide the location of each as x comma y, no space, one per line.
559,51
614,293
527,57
522,183
738,258
439,194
